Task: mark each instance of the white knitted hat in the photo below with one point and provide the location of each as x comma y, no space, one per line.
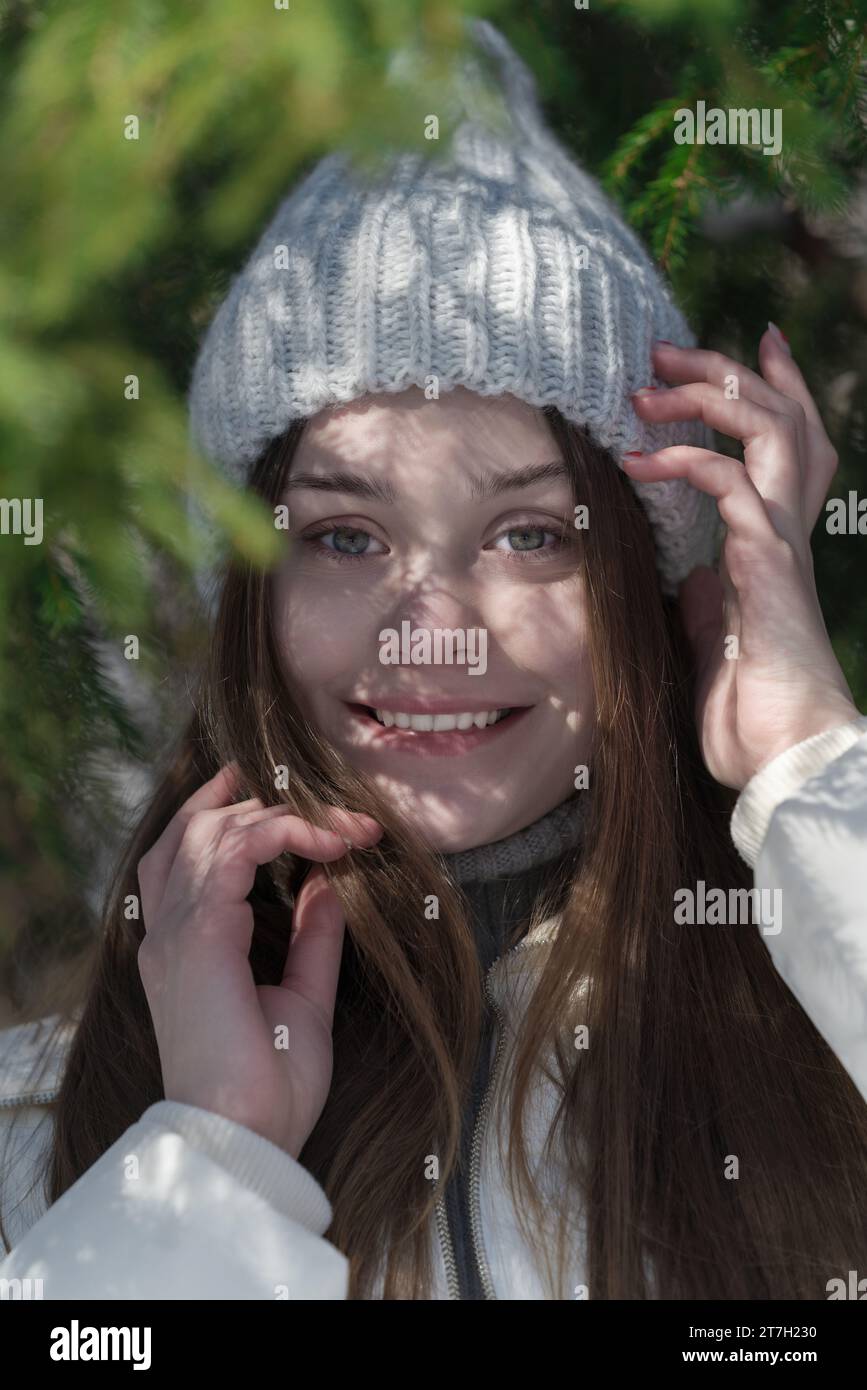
500,266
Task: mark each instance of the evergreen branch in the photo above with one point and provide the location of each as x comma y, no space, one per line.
681,185
637,141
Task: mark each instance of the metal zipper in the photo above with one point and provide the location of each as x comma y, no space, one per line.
446,1243
475,1161
448,1249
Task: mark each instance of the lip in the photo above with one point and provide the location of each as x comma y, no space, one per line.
448,743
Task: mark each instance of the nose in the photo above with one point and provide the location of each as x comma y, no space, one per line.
436,601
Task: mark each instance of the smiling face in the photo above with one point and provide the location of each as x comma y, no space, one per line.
429,610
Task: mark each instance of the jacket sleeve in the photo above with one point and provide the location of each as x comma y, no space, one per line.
801,824
185,1205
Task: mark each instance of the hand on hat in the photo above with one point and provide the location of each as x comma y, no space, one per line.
767,675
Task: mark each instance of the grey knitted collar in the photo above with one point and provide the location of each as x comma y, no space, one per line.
544,840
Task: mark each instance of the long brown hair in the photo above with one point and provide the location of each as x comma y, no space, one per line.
698,1051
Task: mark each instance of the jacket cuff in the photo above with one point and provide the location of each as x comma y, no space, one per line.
259,1165
780,778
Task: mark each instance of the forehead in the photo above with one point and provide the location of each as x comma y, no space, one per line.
382,430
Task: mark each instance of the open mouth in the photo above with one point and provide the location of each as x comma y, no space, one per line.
435,723
443,733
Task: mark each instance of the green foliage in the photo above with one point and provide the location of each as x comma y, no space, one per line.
115,252
804,62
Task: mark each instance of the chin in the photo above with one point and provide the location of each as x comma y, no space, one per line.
447,829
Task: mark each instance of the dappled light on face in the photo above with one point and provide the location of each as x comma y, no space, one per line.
432,573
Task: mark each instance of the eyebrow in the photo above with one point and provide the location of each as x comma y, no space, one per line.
481,487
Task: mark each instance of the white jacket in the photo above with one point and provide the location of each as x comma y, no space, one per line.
188,1205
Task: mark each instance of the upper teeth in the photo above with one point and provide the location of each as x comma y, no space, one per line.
434,723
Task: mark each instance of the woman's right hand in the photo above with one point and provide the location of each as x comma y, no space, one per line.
258,1055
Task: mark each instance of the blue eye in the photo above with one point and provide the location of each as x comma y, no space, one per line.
525,541
527,537
528,541
349,543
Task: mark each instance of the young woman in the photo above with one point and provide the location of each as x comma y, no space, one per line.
433,969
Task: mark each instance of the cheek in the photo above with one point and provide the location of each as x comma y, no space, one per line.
310,627
323,638
546,633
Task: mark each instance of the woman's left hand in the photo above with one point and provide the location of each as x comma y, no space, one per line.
767,675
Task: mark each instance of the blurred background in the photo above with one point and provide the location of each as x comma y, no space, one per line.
144,146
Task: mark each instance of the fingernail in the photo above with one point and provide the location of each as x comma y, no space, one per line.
645,390
780,337
663,342
366,822
350,844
